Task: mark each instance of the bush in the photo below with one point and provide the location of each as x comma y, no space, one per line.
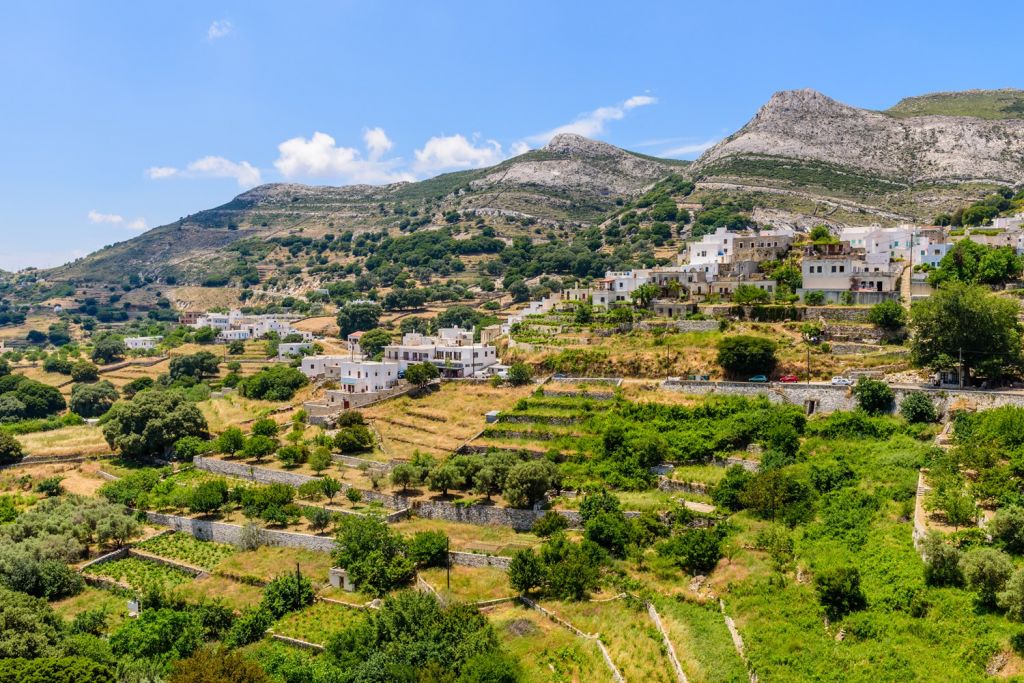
156,633
889,315
986,571
353,439
873,397
277,383
550,523
83,371
231,441
10,449
814,298
519,373
942,562
695,551
421,374
265,427
213,665
188,448
250,627
429,549
917,407
742,356
526,572
839,591
1007,529
287,593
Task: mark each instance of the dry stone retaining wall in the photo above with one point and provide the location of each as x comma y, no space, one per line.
478,560
222,532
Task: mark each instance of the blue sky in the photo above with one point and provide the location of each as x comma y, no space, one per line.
118,116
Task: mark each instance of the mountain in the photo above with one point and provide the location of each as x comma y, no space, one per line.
571,182
803,148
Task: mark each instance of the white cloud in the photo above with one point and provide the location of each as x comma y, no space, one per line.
519,148
158,172
377,143
593,124
97,217
693,148
244,173
116,219
454,152
320,156
219,28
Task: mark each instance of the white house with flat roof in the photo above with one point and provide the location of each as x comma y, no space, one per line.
141,343
292,349
452,351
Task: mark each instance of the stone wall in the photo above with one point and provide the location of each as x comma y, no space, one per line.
156,559
839,313
540,419
478,560
262,475
222,532
359,463
828,398
698,325
484,515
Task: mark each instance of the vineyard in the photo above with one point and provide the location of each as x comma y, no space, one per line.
141,575
186,548
315,623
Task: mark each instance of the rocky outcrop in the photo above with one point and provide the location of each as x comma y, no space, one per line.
806,126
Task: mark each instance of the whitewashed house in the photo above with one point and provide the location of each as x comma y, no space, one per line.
142,343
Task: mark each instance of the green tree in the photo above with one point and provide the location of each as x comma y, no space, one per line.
330,486
259,447
358,316
742,356
643,295
963,321
403,475
277,383
728,493
942,561
197,366
208,496
873,396
158,633
750,294
695,551
31,627
374,341
231,441
429,549
92,400
526,572
445,476
777,495
889,315
319,518
519,374
236,348
83,371
917,407
151,423
421,374
353,439
320,459
839,591
1007,529
216,665
265,427
288,592
987,571
108,349
528,481
10,449
373,554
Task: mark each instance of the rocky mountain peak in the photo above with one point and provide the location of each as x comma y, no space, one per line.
573,145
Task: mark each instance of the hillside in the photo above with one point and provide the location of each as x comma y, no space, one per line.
802,147
571,182
982,104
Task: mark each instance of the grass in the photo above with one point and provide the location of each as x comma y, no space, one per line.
701,641
65,442
140,574
264,564
186,548
985,104
493,540
235,594
546,651
228,411
469,584
316,623
457,409
707,474
116,606
630,636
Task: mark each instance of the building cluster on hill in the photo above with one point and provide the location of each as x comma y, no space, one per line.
865,265
360,380
235,326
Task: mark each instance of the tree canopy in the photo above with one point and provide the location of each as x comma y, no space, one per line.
151,423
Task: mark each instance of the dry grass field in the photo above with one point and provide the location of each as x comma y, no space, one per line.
270,561
235,594
441,421
495,540
546,651
67,441
469,584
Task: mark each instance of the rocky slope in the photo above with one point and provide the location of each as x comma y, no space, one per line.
570,182
802,140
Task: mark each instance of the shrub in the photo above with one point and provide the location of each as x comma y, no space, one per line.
429,549
526,572
10,449
83,371
814,298
158,632
251,626
287,593
942,562
986,571
519,373
695,551
742,356
188,448
265,427
319,518
918,407
550,523
873,397
151,423
277,383
353,439
839,591
231,441
320,459
889,315
1007,529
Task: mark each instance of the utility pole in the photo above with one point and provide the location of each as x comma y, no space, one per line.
448,562
808,362
298,589
960,372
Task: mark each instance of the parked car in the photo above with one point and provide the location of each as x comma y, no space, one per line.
842,382
758,378
789,379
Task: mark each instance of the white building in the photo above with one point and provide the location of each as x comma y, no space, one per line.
291,349
234,326
452,351
141,343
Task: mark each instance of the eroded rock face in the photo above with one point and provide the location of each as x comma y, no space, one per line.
806,125
578,164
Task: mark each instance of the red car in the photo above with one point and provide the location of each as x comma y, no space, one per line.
789,379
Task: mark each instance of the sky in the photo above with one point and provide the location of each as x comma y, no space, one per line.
119,116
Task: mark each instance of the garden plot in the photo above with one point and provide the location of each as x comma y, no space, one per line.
627,631
469,584
266,563
701,641
90,599
316,623
546,651
439,422
488,540
80,440
235,594
186,548
142,575
545,423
